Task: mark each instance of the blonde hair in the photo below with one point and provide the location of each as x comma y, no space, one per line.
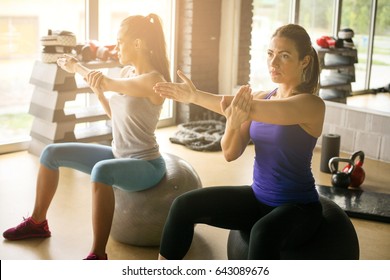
149,29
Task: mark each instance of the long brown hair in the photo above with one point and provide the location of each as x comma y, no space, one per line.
297,34
150,30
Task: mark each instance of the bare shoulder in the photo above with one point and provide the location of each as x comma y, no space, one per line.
127,72
311,99
313,107
156,77
149,80
317,101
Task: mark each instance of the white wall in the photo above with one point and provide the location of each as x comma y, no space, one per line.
359,129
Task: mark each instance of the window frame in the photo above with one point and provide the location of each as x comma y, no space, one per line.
228,68
92,32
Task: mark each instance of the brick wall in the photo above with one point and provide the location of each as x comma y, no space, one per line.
245,42
198,50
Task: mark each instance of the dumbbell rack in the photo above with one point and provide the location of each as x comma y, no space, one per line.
53,122
336,85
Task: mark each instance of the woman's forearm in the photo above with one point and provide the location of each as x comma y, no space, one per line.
81,69
235,141
105,104
209,101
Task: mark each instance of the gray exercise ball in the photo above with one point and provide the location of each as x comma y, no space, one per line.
139,217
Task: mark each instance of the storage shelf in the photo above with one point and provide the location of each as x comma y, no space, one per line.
339,63
53,122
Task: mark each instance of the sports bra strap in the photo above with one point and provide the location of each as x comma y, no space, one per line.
270,94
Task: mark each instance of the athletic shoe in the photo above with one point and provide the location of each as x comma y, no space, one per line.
94,257
28,229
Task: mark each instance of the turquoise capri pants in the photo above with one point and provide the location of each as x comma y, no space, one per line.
128,174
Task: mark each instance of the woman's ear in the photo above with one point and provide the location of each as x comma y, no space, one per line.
305,61
137,43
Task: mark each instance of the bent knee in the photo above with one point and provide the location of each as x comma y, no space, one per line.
49,157
101,172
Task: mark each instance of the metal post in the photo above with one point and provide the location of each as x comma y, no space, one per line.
92,19
370,50
337,16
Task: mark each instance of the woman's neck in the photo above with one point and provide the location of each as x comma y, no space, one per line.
285,91
143,65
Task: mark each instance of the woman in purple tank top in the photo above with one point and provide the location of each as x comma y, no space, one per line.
281,208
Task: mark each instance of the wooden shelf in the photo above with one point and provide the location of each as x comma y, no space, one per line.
53,122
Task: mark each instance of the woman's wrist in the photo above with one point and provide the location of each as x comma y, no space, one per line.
232,126
76,67
194,97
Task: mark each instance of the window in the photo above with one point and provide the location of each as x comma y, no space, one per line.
111,14
267,16
374,64
356,15
315,15
24,22
319,18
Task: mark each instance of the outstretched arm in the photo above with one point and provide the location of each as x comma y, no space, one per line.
306,110
186,92
72,65
139,86
93,78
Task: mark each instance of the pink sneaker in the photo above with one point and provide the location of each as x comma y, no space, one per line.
28,229
94,257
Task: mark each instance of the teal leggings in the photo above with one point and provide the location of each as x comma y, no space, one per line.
98,160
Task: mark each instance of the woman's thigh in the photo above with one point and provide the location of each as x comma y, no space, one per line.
225,207
287,226
129,174
79,156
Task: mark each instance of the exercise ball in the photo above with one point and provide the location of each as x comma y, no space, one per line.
139,217
335,239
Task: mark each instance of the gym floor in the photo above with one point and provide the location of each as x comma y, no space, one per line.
70,213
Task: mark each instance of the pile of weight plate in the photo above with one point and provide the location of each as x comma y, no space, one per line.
56,44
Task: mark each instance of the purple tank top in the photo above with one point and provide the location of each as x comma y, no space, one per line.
282,168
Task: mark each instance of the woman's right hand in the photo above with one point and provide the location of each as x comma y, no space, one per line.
181,92
238,111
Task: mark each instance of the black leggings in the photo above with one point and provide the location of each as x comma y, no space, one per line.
271,228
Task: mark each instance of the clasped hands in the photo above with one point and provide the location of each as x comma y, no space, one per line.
238,110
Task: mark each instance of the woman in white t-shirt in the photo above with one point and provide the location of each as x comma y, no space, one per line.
133,162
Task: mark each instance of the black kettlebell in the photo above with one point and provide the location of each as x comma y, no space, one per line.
341,179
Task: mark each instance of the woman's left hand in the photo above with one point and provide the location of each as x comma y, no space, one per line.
239,109
67,63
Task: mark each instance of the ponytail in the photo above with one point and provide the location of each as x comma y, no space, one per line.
149,29
157,46
310,75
